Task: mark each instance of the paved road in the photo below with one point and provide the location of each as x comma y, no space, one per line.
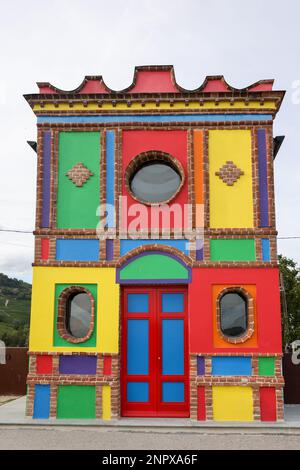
87,438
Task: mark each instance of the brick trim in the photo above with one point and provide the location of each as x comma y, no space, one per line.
147,157
250,314
62,311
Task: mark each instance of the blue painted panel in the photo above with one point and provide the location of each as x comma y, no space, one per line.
231,365
110,176
41,406
127,245
138,303
138,391
138,347
173,392
172,303
158,118
265,248
77,250
172,347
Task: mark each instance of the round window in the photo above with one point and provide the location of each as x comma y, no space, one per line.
155,181
78,315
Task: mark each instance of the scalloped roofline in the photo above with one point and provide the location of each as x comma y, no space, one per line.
154,79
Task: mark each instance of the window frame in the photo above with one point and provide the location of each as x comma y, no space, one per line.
64,301
146,158
249,314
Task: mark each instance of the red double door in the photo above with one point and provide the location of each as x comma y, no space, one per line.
155,363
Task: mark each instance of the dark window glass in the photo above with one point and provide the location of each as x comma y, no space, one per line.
78,318
233,314
155,181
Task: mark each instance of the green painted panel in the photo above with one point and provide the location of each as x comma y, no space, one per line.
232,250
266,366
76,206
76,401
154,267
57,339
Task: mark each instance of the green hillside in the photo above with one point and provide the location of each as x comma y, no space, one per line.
14,311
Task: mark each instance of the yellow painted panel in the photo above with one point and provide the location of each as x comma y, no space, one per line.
230,206
43,308
106,402
232,403
162,105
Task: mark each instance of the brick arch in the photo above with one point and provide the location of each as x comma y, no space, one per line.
183,265
62,310
155,247
250,314
148,156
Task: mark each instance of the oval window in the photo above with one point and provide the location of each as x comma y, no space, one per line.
78,315
155,181
234,314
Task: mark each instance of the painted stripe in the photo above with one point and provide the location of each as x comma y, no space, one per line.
172,347
200,365
267,396
152,105
110,175
198,167
41,407
231,365
85,365
46,179
154,118
106,402
265,248
201,411
109,250
77,250
138,347
263,177
128,245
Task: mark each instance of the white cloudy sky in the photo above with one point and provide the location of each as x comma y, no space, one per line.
60,41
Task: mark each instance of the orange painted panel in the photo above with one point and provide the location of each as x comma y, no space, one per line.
198,175
218,341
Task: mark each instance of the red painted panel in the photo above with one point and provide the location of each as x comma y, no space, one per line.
44,364
267,307
154,82
172,142
107,365
155,406
267,404
201,404
93,86
215,85
45,248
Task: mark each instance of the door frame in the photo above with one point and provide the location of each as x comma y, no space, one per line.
155,408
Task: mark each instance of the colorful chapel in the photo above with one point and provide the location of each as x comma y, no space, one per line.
155,278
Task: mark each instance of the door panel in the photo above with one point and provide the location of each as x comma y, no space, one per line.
155,365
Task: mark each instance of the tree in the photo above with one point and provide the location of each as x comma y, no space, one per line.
290,299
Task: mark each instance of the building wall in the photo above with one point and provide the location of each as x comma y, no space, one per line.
86,143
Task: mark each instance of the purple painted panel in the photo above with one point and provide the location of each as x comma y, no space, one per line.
199,250
46,179
78,365
200,365
263,177
109,250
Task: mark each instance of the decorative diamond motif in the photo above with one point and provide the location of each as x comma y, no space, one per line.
79,174
229,173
